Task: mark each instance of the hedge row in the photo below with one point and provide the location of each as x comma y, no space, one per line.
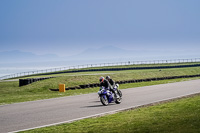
128,81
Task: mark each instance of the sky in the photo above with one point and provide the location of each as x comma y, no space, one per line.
68,27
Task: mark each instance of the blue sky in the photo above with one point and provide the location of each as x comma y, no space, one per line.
68,27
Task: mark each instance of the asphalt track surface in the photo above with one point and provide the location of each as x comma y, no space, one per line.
28,115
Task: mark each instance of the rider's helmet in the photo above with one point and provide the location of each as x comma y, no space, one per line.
101,79
107,77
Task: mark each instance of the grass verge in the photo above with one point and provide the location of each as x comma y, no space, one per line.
10,92
15,94
170,117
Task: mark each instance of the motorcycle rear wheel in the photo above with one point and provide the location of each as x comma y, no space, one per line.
117,100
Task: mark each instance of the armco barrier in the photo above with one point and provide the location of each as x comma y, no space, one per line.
23,82
74,68
121,69
130,81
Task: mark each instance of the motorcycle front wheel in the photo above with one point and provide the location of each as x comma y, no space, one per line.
119,92
104,100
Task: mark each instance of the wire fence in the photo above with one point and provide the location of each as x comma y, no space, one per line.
98,65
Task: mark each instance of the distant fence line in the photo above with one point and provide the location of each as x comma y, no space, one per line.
99,65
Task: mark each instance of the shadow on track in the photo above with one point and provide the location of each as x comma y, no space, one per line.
93,106
95,101
100,105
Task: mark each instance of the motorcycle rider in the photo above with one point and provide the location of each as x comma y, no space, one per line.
107,85
112,82
104,83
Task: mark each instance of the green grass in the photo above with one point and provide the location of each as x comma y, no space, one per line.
178,116
14,94
92,77
181,116
10,92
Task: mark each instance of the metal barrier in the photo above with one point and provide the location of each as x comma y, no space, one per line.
99,65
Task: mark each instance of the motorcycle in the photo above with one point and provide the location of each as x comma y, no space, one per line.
107,96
